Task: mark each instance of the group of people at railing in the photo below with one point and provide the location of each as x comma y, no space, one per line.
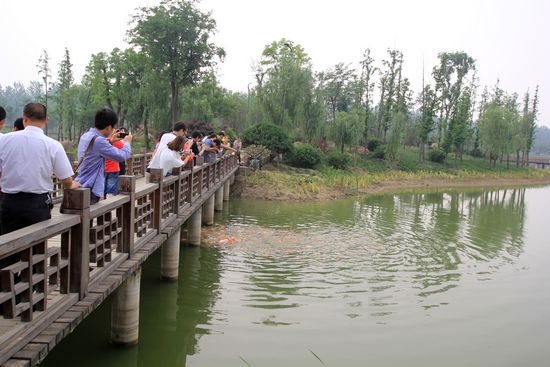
177,148
29,159
63,256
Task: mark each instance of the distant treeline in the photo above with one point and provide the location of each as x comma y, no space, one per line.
169,74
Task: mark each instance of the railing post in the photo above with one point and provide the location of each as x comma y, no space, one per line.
177,191
144,161
156,176
201,175
77,201
127,186
189,198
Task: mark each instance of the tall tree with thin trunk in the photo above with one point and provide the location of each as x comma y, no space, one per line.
63,96
45,73
367,72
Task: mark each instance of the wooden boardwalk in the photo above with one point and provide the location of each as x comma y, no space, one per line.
54,273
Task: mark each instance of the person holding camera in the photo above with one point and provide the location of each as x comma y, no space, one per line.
113,169
95,147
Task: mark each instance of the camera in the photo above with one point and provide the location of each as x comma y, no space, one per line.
122,135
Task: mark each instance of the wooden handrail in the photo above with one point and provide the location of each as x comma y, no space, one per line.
73,250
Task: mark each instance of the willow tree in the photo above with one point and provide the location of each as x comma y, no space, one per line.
176,36
285,88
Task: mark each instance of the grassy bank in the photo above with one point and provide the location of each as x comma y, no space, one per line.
372,175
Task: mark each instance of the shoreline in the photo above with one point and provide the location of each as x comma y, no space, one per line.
286,191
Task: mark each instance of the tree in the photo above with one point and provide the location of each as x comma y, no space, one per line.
390,86
529,123
426,121
285,88
449,76
176,36
396,135
45,73
64,98
337,82
347,128
367,73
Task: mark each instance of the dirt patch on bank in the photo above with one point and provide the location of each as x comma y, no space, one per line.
288,189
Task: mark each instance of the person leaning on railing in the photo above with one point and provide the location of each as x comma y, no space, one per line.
28,158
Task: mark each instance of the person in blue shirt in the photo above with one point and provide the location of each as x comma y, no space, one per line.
92,169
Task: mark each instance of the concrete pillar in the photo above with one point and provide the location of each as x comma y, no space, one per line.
208,211
125,311
170,257
232,179
226,187
194,228
218,201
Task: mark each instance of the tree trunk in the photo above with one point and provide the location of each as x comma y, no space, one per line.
174,102
146,128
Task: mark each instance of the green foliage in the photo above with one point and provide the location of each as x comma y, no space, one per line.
496,129
373,143
437,155
231,134
347,129
305,156
285,89
396,135
338,160
271,136
477,153
176,36
379,152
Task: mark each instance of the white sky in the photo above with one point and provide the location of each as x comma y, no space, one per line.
505,37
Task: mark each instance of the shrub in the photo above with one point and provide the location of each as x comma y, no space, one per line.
271,136
305,156
477,153
338,160
379,152
373,143
437,155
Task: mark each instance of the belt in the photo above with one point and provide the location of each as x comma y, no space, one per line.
24,195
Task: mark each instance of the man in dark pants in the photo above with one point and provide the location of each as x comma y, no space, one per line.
28,159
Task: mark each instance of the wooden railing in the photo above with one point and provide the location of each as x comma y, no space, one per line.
47,267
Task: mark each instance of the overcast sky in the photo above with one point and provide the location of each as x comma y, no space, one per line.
507,37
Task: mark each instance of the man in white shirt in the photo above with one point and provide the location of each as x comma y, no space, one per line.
28,158
178,130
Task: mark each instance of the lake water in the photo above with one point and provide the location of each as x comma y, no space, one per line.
439,278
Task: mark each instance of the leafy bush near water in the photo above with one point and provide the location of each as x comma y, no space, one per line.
437,155
271,136
373,143
305,156
379,152
338,160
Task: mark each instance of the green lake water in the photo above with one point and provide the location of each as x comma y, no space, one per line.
439,278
